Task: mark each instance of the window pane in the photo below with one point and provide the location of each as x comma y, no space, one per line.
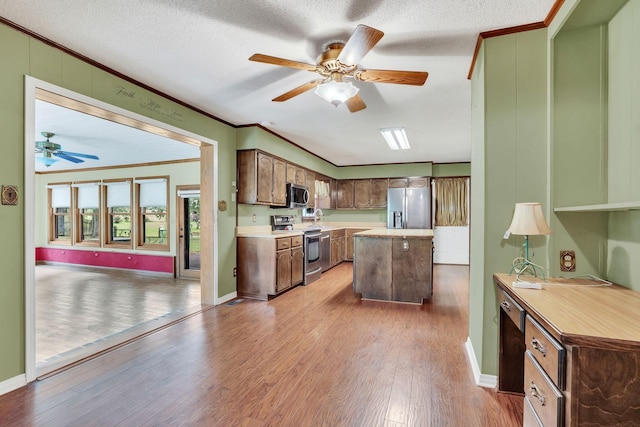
62,227
120,224
154,223
90,230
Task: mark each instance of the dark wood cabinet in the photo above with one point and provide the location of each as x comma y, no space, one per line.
337,247
261,179
348,242
345,194
379,189
362,193
269,266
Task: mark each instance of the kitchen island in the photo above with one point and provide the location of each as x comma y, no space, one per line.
393,264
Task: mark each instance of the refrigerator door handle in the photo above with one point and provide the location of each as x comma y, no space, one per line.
405,209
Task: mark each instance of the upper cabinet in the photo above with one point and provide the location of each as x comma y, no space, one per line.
311,185
345,194
261,179
296,175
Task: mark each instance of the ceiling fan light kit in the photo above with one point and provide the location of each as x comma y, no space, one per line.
336,92
338,60
396,138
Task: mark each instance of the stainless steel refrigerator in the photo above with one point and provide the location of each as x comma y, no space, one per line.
409,208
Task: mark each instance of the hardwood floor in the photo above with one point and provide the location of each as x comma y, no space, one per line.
315,356
80,310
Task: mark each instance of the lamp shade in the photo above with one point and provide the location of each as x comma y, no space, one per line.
528,220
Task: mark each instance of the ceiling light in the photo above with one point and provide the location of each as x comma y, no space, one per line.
336,91
396,138
47,161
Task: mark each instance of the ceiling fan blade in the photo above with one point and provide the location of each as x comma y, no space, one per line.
86,156
258,57
67,157
416,78
297,91
355,103
362,40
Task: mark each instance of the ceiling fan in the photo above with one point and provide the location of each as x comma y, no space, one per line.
48,148
339,60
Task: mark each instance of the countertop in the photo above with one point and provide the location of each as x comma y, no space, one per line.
396,233
264,231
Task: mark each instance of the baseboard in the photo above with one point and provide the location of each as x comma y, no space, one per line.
227,297
12,384
482,380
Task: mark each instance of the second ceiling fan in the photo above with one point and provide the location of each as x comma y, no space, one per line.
340,60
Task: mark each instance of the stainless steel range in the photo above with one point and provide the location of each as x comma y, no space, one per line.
312,255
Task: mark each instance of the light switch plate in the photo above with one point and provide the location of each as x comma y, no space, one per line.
567,261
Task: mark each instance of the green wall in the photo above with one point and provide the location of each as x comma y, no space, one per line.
22,55
509,165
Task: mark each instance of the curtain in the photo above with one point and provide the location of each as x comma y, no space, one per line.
452,201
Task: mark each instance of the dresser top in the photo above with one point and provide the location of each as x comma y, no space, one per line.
581,311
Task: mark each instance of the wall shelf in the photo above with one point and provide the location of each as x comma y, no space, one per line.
604,207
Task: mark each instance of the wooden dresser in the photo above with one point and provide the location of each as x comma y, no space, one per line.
573,349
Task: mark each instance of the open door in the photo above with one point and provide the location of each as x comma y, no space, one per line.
188,254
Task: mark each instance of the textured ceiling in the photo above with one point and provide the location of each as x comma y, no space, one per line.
197,51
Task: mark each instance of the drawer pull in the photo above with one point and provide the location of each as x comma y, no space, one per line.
538,346
505,304
535,392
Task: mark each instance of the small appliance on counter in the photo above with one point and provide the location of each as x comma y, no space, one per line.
282,222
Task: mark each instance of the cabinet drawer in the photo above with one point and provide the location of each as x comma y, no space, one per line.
548,352
545,398
511,308
296,241
337,233
283,243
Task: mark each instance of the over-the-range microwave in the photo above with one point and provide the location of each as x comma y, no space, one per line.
297,196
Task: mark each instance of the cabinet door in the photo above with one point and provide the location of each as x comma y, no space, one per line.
335,251
379,193
333,198
283,270
265,178
300,176
345,194
297,265
311,185
397,182
362,193
279,182
421,182
291,174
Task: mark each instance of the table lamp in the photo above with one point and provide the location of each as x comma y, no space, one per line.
528,220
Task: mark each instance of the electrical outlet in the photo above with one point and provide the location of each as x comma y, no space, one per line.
235,271
567,261
253,218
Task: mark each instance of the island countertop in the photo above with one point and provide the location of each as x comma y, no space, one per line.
396,233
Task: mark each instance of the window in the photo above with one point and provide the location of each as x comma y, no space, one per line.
88,213
60,213
153,213
118,213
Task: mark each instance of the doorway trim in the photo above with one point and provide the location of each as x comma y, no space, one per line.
209,199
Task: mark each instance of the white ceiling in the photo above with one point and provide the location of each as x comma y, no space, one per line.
197,51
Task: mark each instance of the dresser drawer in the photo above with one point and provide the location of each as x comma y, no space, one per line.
283,243
549,353
530,418
511,308
546,400
296,241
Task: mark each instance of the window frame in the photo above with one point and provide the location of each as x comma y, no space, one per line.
79,215
108,239
141,215
53,215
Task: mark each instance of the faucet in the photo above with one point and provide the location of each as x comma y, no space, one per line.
315,216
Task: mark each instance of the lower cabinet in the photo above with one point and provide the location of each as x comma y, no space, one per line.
348,242
337,247
268,266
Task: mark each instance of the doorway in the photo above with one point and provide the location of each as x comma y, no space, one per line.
36,89
188,253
